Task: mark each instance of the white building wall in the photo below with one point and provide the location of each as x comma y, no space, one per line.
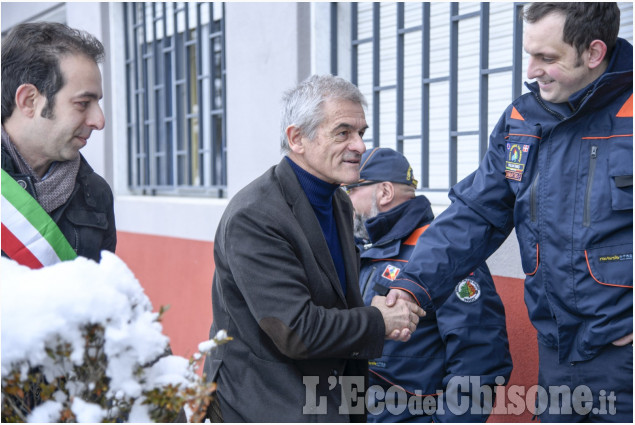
266,53
263,57
17,12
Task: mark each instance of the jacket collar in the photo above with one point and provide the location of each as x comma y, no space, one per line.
399,222
303,211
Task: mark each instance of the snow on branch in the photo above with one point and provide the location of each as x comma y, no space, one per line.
80,343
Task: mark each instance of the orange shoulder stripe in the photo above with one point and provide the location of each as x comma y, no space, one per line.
627,109
516,115
414,236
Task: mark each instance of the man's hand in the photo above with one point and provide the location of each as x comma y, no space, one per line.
400,319
391,299
625,340
396,294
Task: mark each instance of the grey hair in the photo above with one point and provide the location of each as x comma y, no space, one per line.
302,105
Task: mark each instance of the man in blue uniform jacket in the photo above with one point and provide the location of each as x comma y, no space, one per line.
467,335
559,169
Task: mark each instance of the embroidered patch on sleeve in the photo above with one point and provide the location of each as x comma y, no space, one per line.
517,154
390,272
468,290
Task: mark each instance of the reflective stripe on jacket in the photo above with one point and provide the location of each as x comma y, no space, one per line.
466,336
565,183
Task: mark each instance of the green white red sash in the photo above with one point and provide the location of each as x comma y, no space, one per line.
29,234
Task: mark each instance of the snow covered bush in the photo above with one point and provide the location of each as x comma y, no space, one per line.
80,343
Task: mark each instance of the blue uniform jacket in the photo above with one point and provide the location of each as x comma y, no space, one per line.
566,184
467,335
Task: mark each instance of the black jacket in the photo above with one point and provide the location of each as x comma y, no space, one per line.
87,219
296,336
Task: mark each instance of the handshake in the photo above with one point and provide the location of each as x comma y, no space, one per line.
400,312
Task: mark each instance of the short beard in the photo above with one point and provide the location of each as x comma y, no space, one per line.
360,220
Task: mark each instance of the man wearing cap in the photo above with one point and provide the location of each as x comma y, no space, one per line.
462,349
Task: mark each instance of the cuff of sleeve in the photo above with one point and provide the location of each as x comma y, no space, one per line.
418,292
375,349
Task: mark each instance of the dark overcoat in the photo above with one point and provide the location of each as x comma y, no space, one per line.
296,336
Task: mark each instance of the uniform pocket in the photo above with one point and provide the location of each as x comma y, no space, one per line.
611,266
603,290
529,249
531,261
621,173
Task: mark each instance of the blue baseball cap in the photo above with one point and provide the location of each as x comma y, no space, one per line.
385,164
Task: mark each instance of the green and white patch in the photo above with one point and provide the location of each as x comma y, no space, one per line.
468,290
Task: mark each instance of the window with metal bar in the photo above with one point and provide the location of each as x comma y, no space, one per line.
175,80
436,76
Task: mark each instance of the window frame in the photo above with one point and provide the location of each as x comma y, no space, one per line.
176,99
427,82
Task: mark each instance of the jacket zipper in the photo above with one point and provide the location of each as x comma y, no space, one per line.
532,197
586,221
551,111
559,115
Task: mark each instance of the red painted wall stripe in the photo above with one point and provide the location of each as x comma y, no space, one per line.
177,272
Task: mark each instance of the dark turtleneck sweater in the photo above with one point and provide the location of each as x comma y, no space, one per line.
320,194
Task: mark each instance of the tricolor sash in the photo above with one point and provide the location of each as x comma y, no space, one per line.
29,234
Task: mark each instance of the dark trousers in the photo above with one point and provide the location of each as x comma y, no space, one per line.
596,390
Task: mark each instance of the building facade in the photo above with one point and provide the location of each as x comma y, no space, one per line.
192,100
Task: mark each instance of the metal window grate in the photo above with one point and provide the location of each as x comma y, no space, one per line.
383,29
175,80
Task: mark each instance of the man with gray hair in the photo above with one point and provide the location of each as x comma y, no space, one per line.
286,280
